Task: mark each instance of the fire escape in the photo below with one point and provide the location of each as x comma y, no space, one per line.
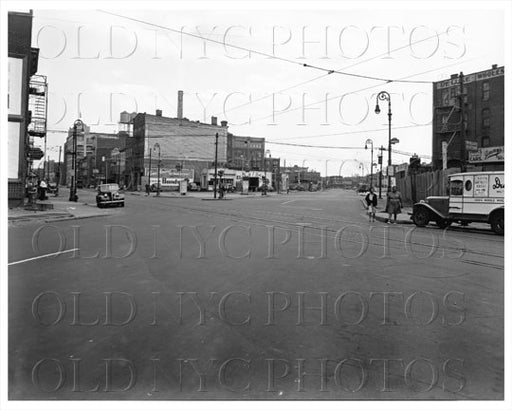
38,108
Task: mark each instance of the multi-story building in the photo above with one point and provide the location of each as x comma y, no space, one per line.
468,120
94,159
245,152
171,144
22,65
301,175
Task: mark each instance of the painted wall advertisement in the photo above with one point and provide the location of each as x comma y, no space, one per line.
497,185
489,154
481,185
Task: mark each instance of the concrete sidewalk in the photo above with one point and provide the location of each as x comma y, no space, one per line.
402,218
61,208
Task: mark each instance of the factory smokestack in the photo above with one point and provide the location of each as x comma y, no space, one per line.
180,104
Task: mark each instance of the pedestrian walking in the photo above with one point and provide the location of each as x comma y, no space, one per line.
371,202
222,190
42,190
394,204
148,189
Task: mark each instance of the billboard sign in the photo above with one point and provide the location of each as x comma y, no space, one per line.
489,154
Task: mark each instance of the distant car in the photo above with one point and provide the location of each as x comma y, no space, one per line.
109,195
193,187
296,187
362,189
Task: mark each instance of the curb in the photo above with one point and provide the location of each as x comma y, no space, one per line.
53,218
37,216
384,218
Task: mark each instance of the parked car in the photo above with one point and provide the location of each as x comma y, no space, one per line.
193,187
296,187
109,195
53,188
473,197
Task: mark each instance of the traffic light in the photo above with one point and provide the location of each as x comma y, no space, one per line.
380,159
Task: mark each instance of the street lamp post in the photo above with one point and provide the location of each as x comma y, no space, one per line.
267,152
73,197
157,145
278,175
149,171
303,161
384,96
369,141
325,185
215,166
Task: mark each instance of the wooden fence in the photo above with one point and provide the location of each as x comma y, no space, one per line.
432,183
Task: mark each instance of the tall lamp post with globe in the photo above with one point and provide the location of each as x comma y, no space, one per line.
384,96
369,141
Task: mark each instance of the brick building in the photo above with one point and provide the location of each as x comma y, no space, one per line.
245,152
94,155
301,175
189,145
468,118
22,65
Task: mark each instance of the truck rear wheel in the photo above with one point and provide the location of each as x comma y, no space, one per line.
421,217
498,222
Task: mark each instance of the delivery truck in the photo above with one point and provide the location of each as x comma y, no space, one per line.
472,197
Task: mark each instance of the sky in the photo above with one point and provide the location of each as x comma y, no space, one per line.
250,71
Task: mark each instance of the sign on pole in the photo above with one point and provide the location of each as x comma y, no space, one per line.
444,150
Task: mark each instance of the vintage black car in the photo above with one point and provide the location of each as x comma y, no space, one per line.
53,188
109,195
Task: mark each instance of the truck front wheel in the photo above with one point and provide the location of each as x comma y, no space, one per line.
498,222
421,217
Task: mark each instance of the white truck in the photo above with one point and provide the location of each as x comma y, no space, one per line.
473,197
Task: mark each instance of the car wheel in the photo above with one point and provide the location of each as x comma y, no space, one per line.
421,217
498,222
99,205
122,204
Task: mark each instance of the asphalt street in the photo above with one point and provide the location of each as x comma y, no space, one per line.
280,297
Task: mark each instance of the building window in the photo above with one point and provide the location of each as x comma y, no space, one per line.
486,90
486,142
486,118
445,97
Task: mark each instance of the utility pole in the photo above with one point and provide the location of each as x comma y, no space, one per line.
462,125
325,185
215,166
149,172
59,167
380,173
72,192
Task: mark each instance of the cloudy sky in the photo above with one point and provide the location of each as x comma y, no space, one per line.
245,64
